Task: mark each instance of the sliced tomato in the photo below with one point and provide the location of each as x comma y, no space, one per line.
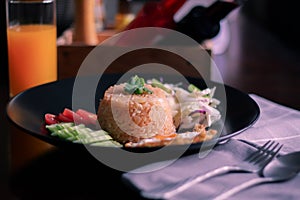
72,115
63,118
68,113
81,116
51,119
87,117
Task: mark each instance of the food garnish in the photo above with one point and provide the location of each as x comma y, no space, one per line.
136,85
159,84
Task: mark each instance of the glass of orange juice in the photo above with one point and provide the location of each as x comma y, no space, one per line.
32,49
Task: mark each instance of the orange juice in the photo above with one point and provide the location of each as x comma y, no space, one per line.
32,54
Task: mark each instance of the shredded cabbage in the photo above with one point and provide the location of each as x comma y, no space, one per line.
192,105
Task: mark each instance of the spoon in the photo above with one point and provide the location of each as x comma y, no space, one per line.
280,169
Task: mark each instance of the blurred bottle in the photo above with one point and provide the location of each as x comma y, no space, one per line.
85,26
99,15
202,23
157,14
190,17
111,8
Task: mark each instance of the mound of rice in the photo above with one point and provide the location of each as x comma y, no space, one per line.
133,117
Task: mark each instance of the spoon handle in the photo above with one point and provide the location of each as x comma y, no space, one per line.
170,191
243,186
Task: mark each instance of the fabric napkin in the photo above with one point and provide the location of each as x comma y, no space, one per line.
275,122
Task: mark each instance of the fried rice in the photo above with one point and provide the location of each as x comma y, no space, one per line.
134,117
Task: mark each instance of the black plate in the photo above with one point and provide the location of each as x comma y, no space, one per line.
27,109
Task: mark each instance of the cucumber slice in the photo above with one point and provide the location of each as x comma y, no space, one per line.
81,134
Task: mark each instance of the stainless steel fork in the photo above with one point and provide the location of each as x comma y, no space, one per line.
254,163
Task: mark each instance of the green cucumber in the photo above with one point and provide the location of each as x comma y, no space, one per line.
89,140
108,143
81,134
56,127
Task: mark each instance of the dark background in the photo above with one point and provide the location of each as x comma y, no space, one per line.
266,62
278,17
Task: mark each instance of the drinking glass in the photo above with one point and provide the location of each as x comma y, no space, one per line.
32,49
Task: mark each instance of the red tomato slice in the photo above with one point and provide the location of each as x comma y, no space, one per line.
63,118
51,119
81,116
88,117
72,115
68,113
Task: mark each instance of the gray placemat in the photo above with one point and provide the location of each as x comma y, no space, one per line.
276,122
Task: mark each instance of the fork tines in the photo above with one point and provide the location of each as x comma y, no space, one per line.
265,153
